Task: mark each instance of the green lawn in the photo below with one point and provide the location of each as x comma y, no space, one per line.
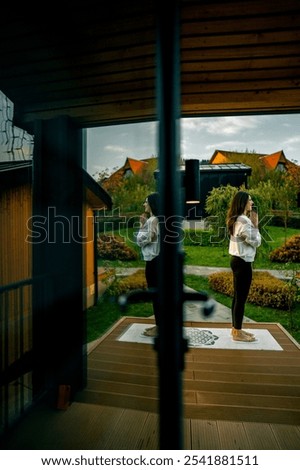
216,255
102,316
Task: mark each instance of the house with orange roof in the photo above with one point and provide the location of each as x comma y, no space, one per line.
274,161
260,164
131,167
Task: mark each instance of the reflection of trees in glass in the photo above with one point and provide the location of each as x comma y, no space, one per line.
15,143
128,192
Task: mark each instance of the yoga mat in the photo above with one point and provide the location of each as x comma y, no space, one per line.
213,338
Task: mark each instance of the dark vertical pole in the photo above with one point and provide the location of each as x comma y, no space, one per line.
59,322
169,343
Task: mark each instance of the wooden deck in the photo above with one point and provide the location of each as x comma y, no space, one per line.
232,399
251,392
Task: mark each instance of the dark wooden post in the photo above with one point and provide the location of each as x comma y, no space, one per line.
58,325
169,344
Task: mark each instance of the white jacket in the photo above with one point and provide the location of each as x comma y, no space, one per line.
150,249
245,239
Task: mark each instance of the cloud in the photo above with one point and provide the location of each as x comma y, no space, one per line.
228,125
292,140
115,149
199,138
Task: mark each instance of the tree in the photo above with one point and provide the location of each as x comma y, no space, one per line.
279,194
216,205
128,194
218,202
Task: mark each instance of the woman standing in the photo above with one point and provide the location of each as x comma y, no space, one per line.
242,224
148,240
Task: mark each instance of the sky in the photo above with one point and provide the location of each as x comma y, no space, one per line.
109,146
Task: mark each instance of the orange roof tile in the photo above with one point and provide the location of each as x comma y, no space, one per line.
136,165
232,157
271,161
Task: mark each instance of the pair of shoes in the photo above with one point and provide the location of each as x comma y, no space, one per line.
243,331
240,335
152,332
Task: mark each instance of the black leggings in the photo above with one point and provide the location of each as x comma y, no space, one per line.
151,273
242,278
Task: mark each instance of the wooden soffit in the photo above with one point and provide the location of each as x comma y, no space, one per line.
97,64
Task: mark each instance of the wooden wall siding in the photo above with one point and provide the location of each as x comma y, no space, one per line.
15,252
248,386
89,285
15,305
99,67
15,265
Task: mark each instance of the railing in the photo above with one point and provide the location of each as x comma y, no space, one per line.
16,321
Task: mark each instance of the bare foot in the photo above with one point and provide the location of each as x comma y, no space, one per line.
244,331
151,331
241,335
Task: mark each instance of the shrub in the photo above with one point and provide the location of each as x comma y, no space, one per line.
290,251
125,284
266,290
113,247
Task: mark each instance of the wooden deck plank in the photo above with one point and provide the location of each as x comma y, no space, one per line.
122,357
288,436
233,436
125,368
250,401
248,355
261,436
251,367
123,377
149,434
248,377
131,422
242,413
187,434
205,435
141,390
106,425
243,388
119,400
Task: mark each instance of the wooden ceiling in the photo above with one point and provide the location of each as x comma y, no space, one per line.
98,65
